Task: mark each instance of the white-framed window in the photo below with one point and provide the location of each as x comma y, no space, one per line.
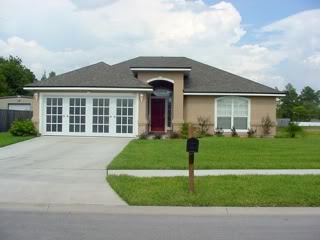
232,112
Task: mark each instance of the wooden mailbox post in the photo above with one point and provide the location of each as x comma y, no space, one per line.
192,147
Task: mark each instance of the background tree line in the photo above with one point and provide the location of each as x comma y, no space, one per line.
14,75
299,107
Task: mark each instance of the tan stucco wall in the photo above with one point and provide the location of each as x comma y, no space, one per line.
14,100
199,106
261,107
143,119
196,106
178,98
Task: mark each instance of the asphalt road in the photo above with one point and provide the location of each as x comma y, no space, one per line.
20,225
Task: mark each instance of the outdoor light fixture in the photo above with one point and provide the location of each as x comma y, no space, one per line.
141,96
36,96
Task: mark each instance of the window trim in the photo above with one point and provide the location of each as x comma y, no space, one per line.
232,115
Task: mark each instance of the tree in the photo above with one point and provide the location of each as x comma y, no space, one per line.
301,113
287,103
308,95
14,76
52,74
3,86
310,100
44,76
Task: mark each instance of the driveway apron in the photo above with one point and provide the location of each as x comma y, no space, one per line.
60,170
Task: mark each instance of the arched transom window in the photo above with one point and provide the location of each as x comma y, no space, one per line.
232,112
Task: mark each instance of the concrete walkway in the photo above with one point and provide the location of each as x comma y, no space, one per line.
173,173
59,170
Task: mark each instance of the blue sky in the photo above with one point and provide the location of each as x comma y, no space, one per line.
272,42
260,13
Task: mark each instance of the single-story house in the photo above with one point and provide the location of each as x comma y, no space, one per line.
21,103
149,94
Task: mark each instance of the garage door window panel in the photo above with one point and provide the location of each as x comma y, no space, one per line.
124,118
54,116
100,118
77,120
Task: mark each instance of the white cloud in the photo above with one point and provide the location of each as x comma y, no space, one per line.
40,59
64,34
85,4
297,39
313,60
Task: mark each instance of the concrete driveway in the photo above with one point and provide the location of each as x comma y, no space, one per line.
61,170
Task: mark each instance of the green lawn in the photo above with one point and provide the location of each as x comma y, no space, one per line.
284,191
7,139
224,153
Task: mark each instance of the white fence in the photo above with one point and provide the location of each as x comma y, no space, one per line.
284,122
309,124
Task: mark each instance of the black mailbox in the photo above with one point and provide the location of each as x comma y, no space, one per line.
192,145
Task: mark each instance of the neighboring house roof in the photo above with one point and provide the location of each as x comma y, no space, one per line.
16,96
96,75
201,79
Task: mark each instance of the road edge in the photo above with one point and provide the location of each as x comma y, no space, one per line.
154,210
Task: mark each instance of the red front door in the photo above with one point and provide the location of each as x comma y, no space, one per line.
157,114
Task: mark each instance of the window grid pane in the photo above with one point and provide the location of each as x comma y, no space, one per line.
224,122
77,114
240,122
54,115
124,118
224,107
240,107
100,118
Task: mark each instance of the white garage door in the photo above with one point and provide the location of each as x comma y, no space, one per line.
89,116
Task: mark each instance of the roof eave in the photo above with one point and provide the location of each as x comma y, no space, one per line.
233,94
126,89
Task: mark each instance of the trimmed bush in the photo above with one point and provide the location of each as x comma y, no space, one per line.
218,132
23,128
157,136
267,124
251,132
174,135
143,135
184,130
203,126
292,129
234,132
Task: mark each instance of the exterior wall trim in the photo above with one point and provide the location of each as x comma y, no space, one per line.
160,79
161,69
235,94
88,89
